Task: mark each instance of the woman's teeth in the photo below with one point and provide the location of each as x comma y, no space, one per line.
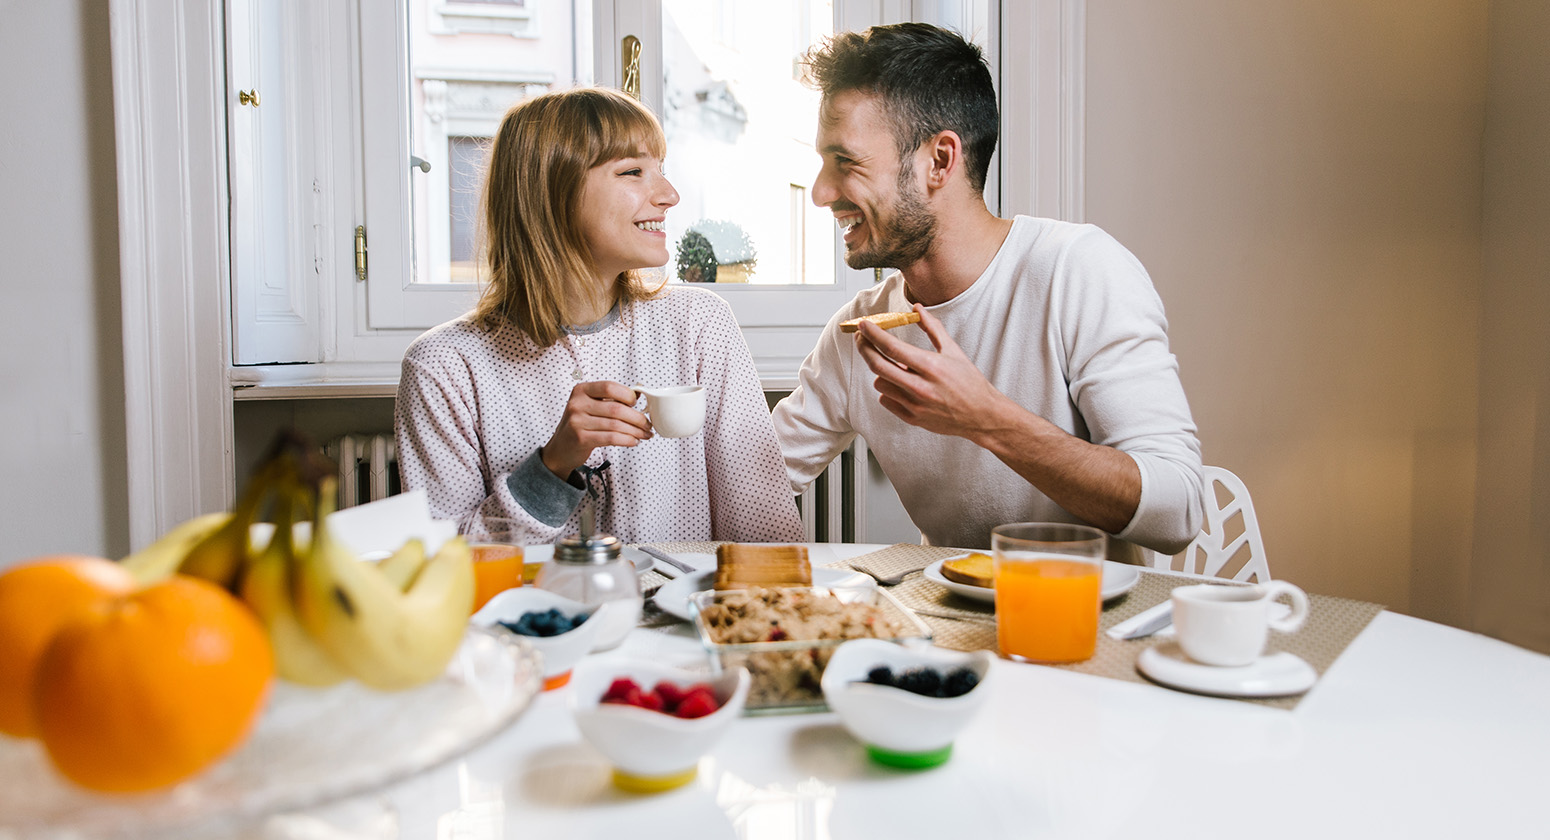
656,227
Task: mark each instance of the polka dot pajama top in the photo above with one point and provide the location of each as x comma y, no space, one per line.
475,406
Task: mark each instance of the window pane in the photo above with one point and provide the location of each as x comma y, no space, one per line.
740,128
465,69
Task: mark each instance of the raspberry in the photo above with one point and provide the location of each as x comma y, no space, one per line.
699,702
670,694
648,700
620,690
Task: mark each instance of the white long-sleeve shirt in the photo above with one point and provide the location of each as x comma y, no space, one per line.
1066,323
474,407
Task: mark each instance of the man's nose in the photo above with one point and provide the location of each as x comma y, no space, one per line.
824,191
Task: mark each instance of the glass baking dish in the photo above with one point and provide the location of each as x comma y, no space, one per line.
786,674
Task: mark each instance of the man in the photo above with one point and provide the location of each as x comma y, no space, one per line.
1038,385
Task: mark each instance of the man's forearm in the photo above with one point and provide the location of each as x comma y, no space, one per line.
1098,484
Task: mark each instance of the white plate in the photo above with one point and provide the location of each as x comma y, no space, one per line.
1118,578
673,597
1273,675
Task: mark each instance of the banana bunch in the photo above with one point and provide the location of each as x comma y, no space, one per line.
330,615
392,626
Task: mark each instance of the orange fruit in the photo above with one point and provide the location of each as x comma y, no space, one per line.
36,599
147,690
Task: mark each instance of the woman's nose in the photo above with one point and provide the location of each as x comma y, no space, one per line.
666,195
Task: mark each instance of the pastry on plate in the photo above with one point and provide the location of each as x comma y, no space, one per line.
972,570
744,566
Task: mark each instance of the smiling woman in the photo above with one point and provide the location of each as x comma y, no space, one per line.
517,410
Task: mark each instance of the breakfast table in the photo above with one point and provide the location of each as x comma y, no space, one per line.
1415,730
1411,729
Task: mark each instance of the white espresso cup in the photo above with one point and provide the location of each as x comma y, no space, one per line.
1228,625
676,411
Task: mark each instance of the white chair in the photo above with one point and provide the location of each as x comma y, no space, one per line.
1221,539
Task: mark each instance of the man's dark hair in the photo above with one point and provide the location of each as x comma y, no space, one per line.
930,79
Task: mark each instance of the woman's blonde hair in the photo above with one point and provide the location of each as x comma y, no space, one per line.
533,249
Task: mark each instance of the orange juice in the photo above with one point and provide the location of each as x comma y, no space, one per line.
497,568
1047,608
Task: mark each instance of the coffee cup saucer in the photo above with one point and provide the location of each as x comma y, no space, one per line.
1271,675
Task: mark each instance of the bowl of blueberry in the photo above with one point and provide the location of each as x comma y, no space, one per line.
905,704
654,722
558,627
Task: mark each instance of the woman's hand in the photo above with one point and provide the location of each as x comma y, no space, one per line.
597,414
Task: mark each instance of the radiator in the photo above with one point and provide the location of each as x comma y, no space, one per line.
368,467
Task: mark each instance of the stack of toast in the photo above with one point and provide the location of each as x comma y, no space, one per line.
744,566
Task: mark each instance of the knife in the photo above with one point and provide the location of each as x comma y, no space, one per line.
669,559
1145,623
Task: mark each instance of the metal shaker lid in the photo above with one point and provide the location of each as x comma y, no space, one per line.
587,550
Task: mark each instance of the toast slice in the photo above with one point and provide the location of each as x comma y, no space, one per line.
974,570
886,320
742,566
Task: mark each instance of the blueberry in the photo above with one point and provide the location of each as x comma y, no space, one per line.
960,682
881,675
922,681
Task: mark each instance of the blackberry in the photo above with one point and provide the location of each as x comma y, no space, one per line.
923,681
881,675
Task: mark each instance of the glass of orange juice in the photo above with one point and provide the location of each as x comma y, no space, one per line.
497,548
1049,584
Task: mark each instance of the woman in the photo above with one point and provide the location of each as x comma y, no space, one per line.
518,410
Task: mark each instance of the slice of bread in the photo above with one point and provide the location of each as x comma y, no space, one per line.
886,320
974,570
742,566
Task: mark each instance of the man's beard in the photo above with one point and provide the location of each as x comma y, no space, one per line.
905,236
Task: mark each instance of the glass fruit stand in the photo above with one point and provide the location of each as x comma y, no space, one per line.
312,747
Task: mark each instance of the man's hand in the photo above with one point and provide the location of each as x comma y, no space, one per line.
597,414
941,392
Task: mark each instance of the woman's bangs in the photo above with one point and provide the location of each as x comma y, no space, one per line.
627,131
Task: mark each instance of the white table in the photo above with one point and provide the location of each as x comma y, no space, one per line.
1418,730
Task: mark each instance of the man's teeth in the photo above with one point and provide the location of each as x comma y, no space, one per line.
848,224
651,226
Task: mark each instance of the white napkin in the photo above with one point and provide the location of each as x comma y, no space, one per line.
386,524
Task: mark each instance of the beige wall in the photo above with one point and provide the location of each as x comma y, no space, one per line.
1303,182
1511,581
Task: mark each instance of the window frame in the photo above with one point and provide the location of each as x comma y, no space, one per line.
172,100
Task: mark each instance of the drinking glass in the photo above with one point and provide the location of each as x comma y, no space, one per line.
497,548
1049,585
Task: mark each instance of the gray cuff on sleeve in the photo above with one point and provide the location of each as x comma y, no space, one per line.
541,493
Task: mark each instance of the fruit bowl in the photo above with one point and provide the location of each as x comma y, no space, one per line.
561,652
311,748
652,751
899,727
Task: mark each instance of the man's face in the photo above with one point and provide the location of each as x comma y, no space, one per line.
875,197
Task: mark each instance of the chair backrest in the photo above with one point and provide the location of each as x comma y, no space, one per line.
1222,539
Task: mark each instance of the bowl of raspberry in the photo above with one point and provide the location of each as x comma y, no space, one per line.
560,629
906,705
654,722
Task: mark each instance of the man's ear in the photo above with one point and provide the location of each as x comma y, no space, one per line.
944,152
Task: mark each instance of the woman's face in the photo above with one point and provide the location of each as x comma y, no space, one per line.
623,214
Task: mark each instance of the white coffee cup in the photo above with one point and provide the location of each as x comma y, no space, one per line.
676,411
1228,625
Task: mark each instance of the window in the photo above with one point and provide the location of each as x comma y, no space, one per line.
355,184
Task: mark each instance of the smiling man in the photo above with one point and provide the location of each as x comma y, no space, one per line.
1038,385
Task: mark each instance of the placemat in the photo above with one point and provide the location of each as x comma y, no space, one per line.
966,624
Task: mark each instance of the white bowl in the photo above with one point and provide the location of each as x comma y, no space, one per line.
561,652
652,751
899,727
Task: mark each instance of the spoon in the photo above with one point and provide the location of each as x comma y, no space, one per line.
888,580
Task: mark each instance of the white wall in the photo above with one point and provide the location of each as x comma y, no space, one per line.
62,458
1510,595
1303,182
